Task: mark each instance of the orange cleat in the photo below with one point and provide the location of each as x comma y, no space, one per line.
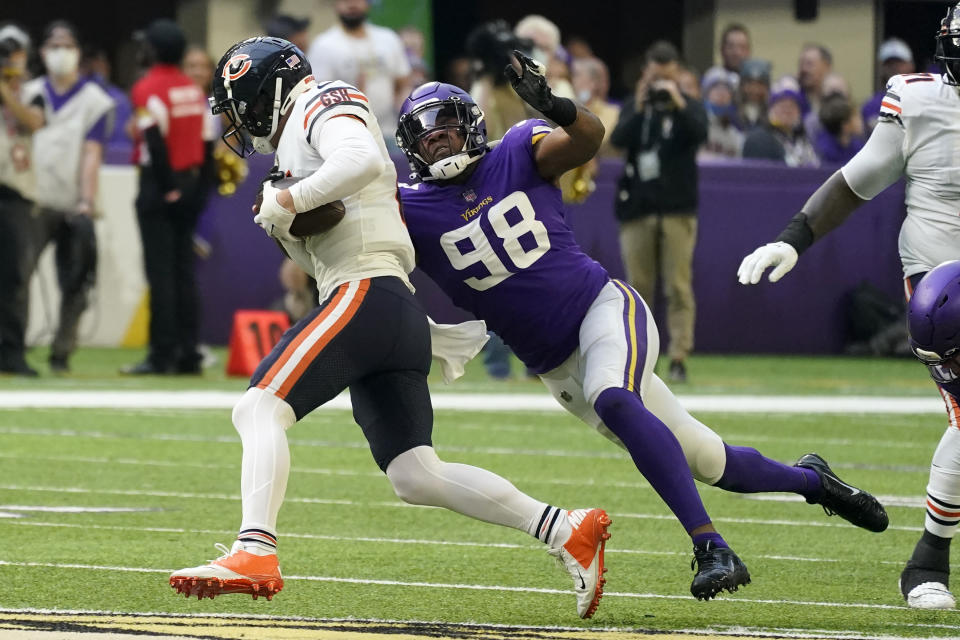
582,556
236,571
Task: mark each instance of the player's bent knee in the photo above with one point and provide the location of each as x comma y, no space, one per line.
413,475
708,458
257,406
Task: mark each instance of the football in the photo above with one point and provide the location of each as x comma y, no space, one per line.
308,223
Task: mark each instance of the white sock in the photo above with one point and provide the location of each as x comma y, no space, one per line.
262,419
418,476
552,527
943,488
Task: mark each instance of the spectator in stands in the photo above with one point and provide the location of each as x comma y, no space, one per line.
782,138
459,73
67,152
171,112
545,36
17,122
369,57
579,48
413,44
813,66
199,67
491,45
734,49
754,93
724,137
96,66
661,129
591,82
841,132
289,28
895,58
688,81
833,84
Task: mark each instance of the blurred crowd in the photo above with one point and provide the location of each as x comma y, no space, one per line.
57,94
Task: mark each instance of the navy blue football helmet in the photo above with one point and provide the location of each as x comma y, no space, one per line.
256,82
427,118
948,44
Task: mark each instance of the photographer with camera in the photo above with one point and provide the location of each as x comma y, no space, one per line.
660,129
17,123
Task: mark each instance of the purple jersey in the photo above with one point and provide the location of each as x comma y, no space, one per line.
499,246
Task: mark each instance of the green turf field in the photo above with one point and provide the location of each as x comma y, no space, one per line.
166,486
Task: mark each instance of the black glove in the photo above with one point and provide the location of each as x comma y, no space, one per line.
531,86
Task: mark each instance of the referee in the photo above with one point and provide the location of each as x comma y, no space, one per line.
170,112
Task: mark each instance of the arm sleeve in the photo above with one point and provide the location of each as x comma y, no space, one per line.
879,163
159,161
693,120
628,126
351,161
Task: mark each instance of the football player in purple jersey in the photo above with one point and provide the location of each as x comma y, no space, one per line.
934,322
488,225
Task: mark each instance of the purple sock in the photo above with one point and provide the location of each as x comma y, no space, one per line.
713,536
748,471
655,451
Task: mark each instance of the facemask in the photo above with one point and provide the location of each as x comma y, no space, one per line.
584,95
61,61
352,22
263,146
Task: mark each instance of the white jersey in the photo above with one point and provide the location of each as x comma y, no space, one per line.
919,125
372,239
69,121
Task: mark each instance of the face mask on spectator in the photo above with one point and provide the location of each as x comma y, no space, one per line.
722,111
353,21
584,95
61,61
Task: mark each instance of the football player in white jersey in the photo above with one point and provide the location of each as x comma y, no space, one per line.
918,137
369,334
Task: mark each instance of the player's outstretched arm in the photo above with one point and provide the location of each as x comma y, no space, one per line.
581,131
875,167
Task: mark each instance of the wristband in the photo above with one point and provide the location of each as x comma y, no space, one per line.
563,111
797,234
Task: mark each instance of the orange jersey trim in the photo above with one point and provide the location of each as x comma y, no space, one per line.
891,106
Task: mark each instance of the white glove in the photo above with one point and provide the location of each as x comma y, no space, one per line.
779,255
273,218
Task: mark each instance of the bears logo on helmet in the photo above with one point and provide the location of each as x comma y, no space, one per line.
236,66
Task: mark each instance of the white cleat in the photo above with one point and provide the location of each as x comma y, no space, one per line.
582,556
931,595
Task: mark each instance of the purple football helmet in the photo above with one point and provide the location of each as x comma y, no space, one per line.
934,320
427,118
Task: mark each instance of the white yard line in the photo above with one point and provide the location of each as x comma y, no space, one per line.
402,541
483,587
398,504
474,402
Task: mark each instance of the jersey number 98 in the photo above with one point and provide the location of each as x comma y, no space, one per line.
463,256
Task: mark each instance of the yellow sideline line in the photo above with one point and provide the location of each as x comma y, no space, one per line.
135,625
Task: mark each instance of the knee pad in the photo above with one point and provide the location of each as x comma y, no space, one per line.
256,406
413,474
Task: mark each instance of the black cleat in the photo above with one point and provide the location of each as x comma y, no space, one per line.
718,568
839,498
